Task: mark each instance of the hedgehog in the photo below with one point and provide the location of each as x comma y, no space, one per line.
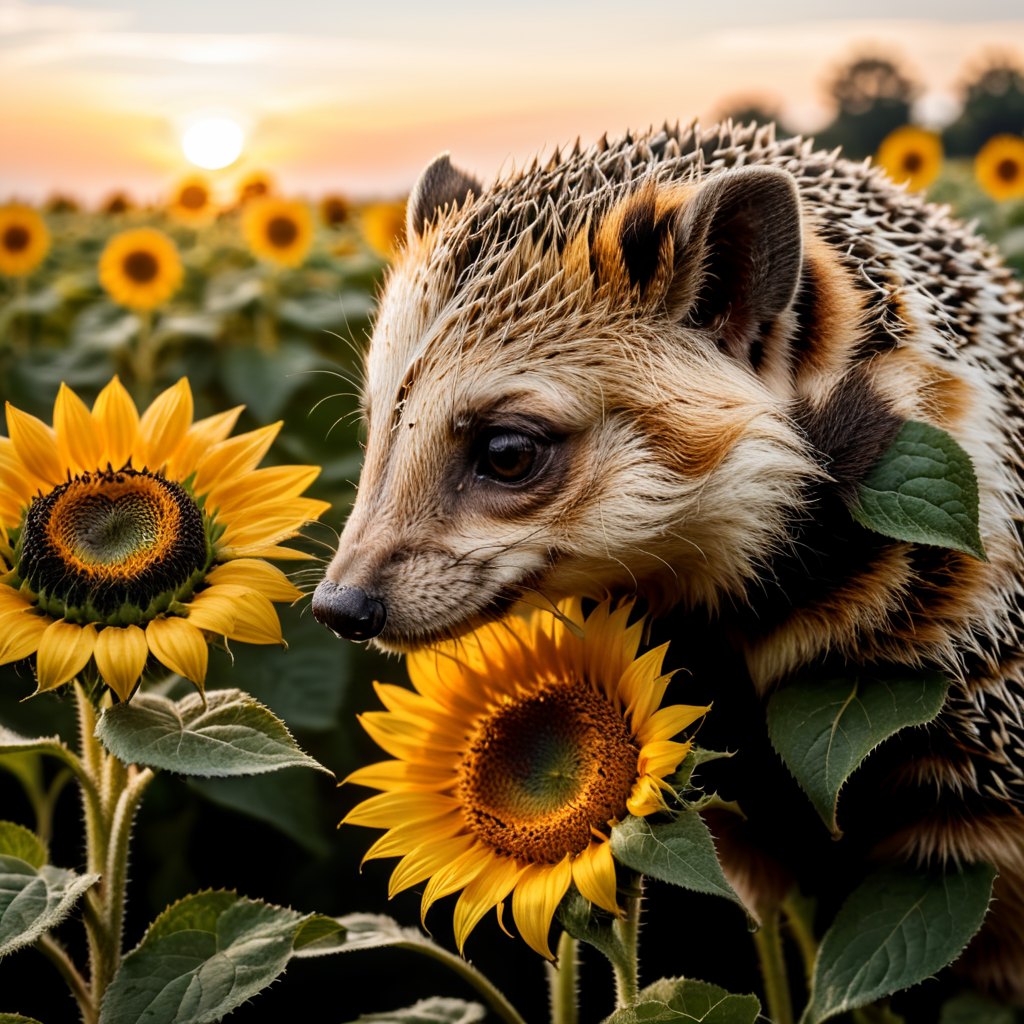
662,366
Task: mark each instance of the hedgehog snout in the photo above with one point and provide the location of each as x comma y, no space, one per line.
349,611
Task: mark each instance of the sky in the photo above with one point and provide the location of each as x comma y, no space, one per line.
357,97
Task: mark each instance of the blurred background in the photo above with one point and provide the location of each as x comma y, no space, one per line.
271,146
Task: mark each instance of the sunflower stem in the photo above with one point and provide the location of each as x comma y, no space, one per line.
768,940
799,911
58,956
563,982
627,970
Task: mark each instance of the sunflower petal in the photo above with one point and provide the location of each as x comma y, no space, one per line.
593,871
117,420
15,475
215,608
646,797
454,876
401,776
421,863
484,893
64,650
661,757
164,425
201,437
386,810
668,722
234,457
256,621
78,441
535,900
267,524
275,483
405,740
398,841
12,600
264,578
180,645
639,683
274,551
36,445
121,653
20,633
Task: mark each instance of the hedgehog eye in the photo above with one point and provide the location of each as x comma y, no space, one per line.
508,457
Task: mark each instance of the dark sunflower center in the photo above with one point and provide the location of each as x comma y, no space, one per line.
543,772
193,197
912,162
1007,170
16,238
112,546
141,266
282,231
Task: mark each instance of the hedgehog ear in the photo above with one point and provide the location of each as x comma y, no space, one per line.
738,250
439,185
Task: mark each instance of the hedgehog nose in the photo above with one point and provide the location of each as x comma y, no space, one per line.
348,611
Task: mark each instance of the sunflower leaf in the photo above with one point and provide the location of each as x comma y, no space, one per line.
650,1011
897,928
435,1010
16,1018
699,1001
359,931
923,490
680,851
18,841
683,778
232,735
590,924
824,727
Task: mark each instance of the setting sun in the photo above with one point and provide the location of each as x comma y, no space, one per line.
213,143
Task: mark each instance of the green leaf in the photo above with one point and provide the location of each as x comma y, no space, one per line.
923,490
681,852
823,727
364,931
319,929
702,1001
897,928
647,1012
683,778
18,841
16,1018
264,381
232,735
971,1008
200,959
435,1010
592,925
12,743
34,899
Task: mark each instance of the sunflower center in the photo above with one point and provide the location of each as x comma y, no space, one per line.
544,771
16,238
912,162
282,231
1007,170
140,266
193,197
113,545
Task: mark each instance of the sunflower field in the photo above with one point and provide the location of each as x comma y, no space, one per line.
207,340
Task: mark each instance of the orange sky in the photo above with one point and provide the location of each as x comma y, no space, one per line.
92,101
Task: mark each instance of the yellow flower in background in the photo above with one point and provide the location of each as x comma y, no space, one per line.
334,210
519,748
279,230
383,227
24,240
125,537
255,185
119,202
141,268
999,167
911,155
192,203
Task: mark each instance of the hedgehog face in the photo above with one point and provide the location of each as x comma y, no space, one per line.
597,408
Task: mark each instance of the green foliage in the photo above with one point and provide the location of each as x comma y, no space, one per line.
993,105
16,1018
923,490
366,931
824,726
897,928
971,1008
685,999
231,735
436,1010
18,841
590,924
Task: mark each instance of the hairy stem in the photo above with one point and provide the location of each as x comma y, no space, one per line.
627,971
768,941
562,982
799,911
57,954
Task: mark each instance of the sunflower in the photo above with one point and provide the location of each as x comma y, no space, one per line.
911,155
119,202
999,167
24,240
255,185
278,230
124,537
192,203
334,210
140,268
521,746
384,227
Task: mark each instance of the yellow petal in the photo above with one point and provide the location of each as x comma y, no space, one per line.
646,797
201,437
484,893
117,420
593,871
264,578
268,524
384,723
64,650
256,621
276,483
20,633
668,722
275,551
536,899
180,645
405,740
234,457
14,474
639,681
422,862
11,505
386,810
165,424
455,875
36,445
121,653
401,776
413,707
214,609
12,600
661,757
397,842
78,441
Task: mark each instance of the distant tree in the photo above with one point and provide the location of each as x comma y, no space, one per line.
873,97
744,109
993,104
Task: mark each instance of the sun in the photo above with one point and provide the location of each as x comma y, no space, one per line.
213,142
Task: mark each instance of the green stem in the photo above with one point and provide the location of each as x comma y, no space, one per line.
768,940
497,1002
562,982
627,971
46,802
55,952
799,911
